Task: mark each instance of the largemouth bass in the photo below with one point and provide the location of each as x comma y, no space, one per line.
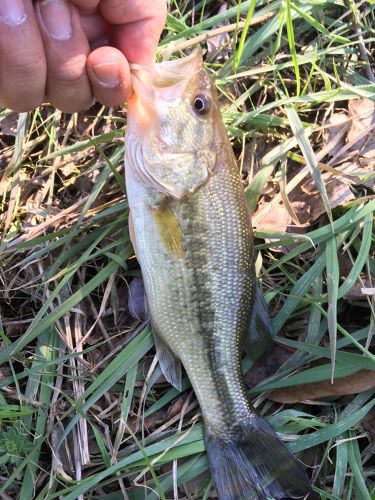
192,235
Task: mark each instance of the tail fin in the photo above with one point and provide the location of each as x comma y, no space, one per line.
253,464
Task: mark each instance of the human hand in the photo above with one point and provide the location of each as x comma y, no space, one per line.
46,50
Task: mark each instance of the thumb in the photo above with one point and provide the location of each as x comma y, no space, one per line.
136,26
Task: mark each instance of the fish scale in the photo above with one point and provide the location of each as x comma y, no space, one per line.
215,233
192,235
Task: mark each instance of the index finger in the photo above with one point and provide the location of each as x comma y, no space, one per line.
136,26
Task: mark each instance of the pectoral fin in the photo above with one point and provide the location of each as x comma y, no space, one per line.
260,335
169,364
169,230
132,232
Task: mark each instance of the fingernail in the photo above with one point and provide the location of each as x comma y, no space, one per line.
57,18
100,42
108,74
12,12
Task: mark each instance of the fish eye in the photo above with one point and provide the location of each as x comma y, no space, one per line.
201,104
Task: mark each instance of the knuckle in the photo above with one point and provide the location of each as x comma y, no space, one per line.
118,7
69,70
25,73
30,58
22,87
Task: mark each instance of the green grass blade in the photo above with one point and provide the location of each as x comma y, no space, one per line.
239,51
311,375
309,155
331,431
117,368
59,311
333,276
49,343
340,467
355,462
297,292
125,407
292,45
357,360
319,27
363,253
252,193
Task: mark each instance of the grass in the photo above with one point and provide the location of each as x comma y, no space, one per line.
83,410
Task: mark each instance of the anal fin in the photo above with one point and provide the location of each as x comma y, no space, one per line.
170,365
259,339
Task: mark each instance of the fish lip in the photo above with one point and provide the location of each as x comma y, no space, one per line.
168,73
179,69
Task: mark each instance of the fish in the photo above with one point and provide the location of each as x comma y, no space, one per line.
192,235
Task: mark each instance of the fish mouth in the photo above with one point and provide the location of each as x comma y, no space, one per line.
168,73
165,81
158,85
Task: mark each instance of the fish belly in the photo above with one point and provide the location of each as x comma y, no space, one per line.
200,296
200,302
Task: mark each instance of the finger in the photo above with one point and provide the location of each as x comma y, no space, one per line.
110,76
22,61
87,6
137,26
94,27
66,48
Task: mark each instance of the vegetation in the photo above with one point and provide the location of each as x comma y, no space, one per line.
84,411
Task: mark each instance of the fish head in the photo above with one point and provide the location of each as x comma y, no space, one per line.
173,116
